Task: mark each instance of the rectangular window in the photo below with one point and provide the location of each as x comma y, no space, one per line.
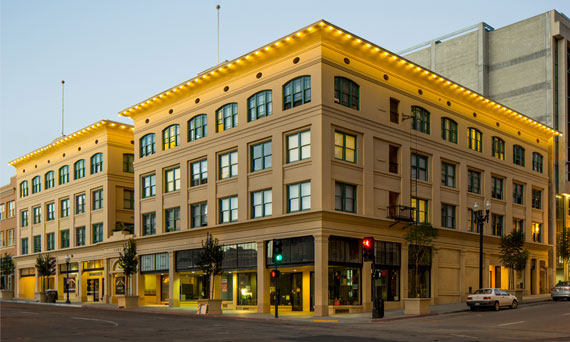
518,155
228,209
537,162
497,188
448,216
11,237
128,199
37,244
2,244
261,203
536,232
199,215
420,210
518,224
37,215
298,146
80,236
50,241
345,197
345,147
518,191
199,173
474,139
24,246
11,209
471,221
80,204
449,130
393,159
419,167
297,92
228,165
50,212
97,232
261,157
537,199
128,160
448,174
24,218
2,212
498,148
474,181
149,186
172,219
497,224
97,199
64,206
394,112
65,238
298,197
172,180
149,224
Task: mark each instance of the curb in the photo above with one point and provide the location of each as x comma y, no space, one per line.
38,303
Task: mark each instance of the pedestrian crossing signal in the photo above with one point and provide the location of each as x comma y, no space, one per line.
275,274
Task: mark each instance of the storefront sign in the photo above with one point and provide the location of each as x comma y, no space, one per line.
95,274
120,285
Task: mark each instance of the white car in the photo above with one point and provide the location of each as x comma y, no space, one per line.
494,298
561,290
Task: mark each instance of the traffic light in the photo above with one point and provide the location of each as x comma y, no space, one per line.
277,251
275,274
368,249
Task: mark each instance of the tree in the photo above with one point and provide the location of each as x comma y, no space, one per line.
513,254
128,261
421,239
564,245
44,266
6,271
210,262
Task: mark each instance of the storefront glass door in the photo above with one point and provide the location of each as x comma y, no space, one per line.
164,288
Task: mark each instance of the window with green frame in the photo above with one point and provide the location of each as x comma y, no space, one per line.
518,155
346,92
420,207
518,193
448,216
49,180
420,119
50,241
79,169
24,246
24,189
147,145
345,197
63,174
226,117
36,184
128,160
448,174
474,139
345,146
419,167
536,162
64,239
537,199
497,188
198,127
170,136
297,92
259,105
449,130
474,181
498,148
97,163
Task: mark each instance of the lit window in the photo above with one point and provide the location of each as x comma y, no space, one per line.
227,117
259,105
536,232
298,197
170,137
345,147
197,127
346,92
420,119
474,139
172,180
261,203
298,146
228,165
147,145
420,207
449,130
498,148
297,92
261,157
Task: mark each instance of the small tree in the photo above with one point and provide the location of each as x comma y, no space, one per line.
210,262
128,261
513,255
421,239
6,271
44,267
564,245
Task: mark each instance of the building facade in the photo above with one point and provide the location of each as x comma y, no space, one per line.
75,198
525,65
7,226
320,139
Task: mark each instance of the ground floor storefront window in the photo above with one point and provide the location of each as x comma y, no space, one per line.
192,287
344,286
290,290
424,281
247,288
388,260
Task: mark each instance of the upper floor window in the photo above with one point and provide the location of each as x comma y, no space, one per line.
448,216
37,243
36,184
449,130
199,215
536,232
474,139
420,210
50,211
448,174
536,162
24,189
259,105
128,199
197,127
497,188
170,136
50,241
298,197
147,145
64,208
63,174
148,186
518,191
149,224
394,112
419,167
497,224
261,203
98,232
537,199
2,211
172,180
297,92
80,204
298,146
37,215
128,160
261,156
345,197
11,209
65,238
498,148
474,181
420,119
346,92
79,169
97,199
50,180
228,209
172,219
97,163
518,155
24,218
24,246
228,165
199,172
227,117
345,147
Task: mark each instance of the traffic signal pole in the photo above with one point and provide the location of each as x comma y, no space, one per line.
276,296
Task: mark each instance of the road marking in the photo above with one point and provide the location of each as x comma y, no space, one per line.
502,325
464,336
115,324
325,320
31,313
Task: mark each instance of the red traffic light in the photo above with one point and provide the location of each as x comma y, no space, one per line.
367,242
275,274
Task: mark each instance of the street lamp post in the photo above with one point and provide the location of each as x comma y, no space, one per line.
67,259
480,219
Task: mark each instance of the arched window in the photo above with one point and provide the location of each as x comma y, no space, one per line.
36,184
498,148
97,163
24,189
420,119
259,105
449,130
79,169
297,92
63,175
518,155
197,127
474,139
49,180
170,136
147,145
537,162
226,117
346,92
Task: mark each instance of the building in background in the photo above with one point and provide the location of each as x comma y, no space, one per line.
7,226
75,198
526,66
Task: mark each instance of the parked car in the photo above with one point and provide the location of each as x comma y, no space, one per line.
561,290
494,298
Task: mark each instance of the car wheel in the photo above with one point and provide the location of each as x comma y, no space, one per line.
497,306
473,308
555,299
515,304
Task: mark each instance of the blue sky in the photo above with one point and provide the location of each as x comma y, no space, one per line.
113,54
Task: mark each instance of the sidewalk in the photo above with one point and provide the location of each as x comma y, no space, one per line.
366,317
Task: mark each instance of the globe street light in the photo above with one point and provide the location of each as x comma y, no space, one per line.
67,259
480,219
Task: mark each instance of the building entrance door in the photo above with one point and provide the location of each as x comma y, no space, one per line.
93,290
297,291
498,277
164,288
290,287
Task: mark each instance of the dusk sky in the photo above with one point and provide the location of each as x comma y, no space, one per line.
113,54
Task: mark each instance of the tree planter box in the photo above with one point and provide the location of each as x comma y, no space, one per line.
416,306
127,302
41,297
518,294
214,306
6,294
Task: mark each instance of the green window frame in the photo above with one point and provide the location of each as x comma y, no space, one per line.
228,209
474,181
518,155
80,204
36,184
497,224
97,232
536,199
518,224
79,169
448,174
498,148
63,175
25,249
261,203
199,215
448,217
37,215
345,146
149,223
259,105
228,166
345,197
24,219
421,210
298,146
147,145
172,180
198,127
537,162
346,92
172,219
128,160
64,208
474,139
97,163
50,241
24,190
497,187
65,241
449,130
297,92
97,197
518,193
128,199
50,180
227,117
419,167
170,137
261,156
149,186
298,197
420,119
199,172
37,243
536,232
80,236
50,211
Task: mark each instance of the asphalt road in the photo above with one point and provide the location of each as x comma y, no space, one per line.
549,321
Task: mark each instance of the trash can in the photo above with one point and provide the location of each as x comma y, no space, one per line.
378,308
51,296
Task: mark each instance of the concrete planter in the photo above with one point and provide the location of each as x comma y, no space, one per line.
416,306
127,302
214,306
41,297
517,293
6,294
